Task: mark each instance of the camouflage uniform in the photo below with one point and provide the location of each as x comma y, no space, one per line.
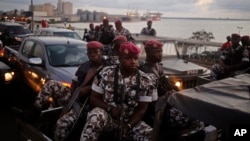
168,116
230,56
98,120
60,93
124,32
65,123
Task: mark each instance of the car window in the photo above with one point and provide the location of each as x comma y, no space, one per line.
17,30
68,34
27,48
67,55
43,33
37,51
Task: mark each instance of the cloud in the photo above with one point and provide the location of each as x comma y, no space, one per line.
195,8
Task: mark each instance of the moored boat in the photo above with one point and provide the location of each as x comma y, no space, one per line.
154,16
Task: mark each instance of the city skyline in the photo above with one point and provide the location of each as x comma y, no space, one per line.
178,8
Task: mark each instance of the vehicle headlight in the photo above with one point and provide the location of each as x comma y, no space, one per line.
8,76
178,84
18,39
66,84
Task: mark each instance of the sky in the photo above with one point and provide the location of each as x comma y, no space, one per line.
239,9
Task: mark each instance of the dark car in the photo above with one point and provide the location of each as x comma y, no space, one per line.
43,58
6,74
12,33
58,32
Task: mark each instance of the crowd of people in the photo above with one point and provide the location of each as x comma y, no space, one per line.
107,85
234,59
122,94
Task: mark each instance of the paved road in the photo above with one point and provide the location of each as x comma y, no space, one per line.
13,96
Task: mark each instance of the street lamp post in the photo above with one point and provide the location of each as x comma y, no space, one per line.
32,16
239,27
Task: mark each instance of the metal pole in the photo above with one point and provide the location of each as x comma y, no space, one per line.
32,17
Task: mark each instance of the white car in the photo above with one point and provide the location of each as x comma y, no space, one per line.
58,32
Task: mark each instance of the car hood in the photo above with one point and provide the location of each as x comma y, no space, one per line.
175,66
64,74
24,35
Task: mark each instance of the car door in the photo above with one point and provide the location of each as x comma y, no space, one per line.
33,75
38,72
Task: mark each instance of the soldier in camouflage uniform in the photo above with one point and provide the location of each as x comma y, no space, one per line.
167,116
84,77
52,89
232,60
138,93
114,55
120,30
61,93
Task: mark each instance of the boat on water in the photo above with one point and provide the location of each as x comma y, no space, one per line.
131,16
153,16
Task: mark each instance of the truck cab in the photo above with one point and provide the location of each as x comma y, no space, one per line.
181,73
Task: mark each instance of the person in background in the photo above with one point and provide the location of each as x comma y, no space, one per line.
44,23
84,77
70,27
97,29
114,55
90,35
106,36
232,60
245,42
148,30
106,33
137,89
226,44
120,30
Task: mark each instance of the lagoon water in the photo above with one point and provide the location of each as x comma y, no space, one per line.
183,28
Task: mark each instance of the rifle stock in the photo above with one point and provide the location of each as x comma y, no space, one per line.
122,112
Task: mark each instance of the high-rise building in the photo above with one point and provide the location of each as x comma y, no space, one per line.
60,7
67,8
49,8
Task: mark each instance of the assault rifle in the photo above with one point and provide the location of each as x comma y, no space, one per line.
122,112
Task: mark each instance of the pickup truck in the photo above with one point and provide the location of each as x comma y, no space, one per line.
182,73
42,58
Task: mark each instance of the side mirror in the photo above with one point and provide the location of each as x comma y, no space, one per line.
35,61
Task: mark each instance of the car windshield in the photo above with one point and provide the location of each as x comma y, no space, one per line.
68,34
17,30
67,55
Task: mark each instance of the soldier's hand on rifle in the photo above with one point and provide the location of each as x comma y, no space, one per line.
115,112
84,92
126,128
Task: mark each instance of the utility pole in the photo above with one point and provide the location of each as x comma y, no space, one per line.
32,16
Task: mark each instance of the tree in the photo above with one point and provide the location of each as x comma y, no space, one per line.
203,36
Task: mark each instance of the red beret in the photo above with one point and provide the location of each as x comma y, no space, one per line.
97,27
94,45
120,38
149,21
118,22
235,35
153,44
245,38
128,48
105,20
